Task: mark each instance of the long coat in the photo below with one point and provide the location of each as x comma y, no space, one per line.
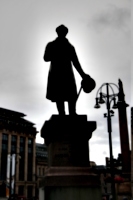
61,82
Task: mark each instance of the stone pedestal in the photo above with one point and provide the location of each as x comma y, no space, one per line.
69,175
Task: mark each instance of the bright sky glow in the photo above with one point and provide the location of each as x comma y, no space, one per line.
101,34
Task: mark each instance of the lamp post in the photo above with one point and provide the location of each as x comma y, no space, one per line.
13,164
12,174
108,98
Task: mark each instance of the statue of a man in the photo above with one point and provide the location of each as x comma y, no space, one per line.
61,85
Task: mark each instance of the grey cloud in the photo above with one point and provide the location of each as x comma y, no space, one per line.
104,153
112,17
104,140
100,135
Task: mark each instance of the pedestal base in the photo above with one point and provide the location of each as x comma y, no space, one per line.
69,176
70,193
70,183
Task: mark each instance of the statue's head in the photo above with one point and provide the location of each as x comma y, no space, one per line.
62,31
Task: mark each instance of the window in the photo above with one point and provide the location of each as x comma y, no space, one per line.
30,141
22,139
22,160
21,149
29,150
4,146
30,160
43,171
39,171
29,192
21,190
14,138
13,144
5,142
13,149
5,137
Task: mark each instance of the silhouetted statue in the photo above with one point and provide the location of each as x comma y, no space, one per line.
61,85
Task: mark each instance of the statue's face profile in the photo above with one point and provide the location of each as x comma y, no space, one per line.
62,31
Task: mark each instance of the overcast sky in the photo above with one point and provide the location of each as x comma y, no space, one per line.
100,31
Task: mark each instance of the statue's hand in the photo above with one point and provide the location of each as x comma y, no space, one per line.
85,76
88,84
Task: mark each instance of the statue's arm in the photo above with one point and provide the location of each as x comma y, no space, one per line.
76,63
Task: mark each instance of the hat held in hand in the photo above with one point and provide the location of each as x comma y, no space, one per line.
88,84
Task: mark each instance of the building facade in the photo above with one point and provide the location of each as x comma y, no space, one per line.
17,136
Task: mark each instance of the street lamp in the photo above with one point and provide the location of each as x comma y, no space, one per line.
107,98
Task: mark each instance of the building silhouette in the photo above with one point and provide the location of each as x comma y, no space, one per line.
17,136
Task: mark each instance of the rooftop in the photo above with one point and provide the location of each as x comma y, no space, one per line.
13,120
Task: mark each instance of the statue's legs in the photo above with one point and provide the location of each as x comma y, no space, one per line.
72,106
60,107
